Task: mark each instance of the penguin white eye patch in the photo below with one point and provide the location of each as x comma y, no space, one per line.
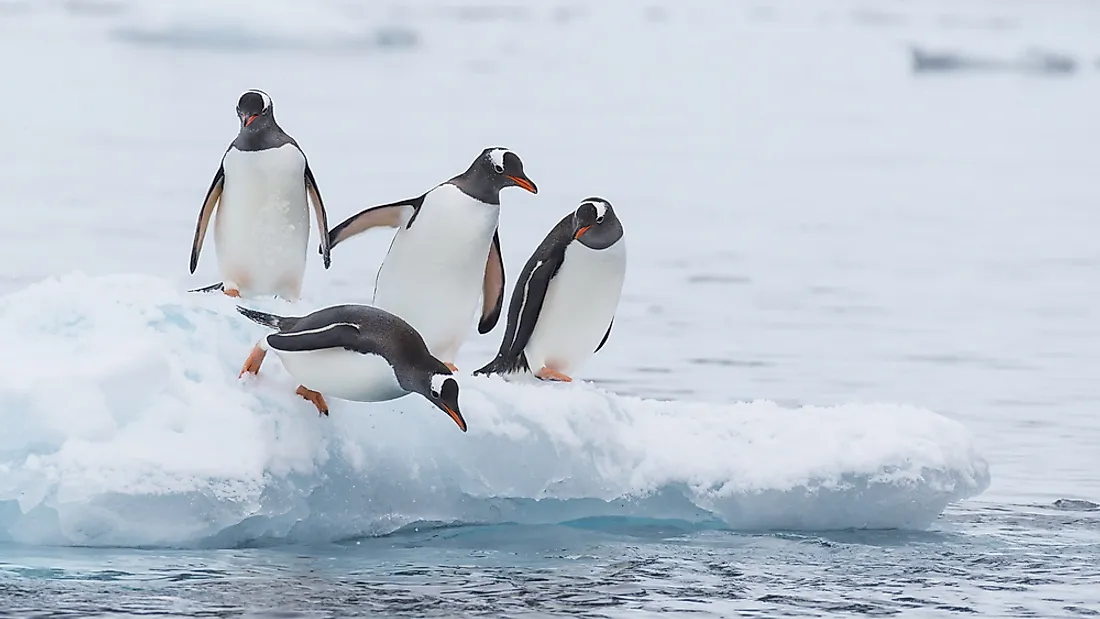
497,157
601,210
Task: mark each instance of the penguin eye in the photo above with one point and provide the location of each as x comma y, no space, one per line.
599,220
498,168
435,394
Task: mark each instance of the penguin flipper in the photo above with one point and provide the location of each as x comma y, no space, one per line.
335,335
528,294
321,215
492,288
212,196
523,313
537,285
605,336
393,215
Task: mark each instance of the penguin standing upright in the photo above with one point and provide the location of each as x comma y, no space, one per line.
564,302
261,225
354,352
445,253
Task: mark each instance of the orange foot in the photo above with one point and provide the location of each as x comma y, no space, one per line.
451,367
254,360
232,292
315,397
548,374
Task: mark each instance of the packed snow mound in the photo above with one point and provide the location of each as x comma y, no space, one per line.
125,424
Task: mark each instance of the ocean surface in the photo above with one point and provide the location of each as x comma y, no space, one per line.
854,370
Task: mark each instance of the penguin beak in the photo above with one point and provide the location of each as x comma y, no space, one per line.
525,183
581,231
455,415
248,119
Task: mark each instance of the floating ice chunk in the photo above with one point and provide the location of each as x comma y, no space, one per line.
124,423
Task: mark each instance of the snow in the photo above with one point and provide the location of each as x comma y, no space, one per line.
125,424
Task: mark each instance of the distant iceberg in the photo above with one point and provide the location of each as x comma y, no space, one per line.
233,39
1032,61
124,423
253,25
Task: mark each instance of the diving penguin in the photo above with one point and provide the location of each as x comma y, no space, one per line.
564,302
261,225
354,352
445,253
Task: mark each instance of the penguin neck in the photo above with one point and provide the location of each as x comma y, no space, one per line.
262,134
407,378
479,184
415,374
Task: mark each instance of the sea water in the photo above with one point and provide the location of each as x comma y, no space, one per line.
853,371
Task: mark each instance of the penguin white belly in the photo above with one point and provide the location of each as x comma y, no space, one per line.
343,374
579,305
432,276
261,227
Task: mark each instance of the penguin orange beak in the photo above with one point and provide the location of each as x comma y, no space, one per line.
581,231
523,182
456,416
248,121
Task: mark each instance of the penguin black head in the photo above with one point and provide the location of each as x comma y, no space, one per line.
507,169
595,224
494,169
254,105
442,390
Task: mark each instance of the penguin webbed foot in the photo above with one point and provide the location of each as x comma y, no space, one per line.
553,375
315,398
254,361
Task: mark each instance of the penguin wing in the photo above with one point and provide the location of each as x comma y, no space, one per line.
528,295
526,314
492,288
333,335
605,335
212,196
392,215
320,214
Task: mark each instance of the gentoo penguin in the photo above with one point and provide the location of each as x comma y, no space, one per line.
564,302
261,228
445,253
354,352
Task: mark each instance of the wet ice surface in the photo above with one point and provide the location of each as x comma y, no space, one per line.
808,222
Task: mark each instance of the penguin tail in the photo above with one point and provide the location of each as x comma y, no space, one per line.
270,321
504,365
211,288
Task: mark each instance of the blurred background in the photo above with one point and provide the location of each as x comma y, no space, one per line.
824,202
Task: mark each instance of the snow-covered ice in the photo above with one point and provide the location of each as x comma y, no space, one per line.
125,424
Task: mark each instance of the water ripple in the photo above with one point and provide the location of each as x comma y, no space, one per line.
980,560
